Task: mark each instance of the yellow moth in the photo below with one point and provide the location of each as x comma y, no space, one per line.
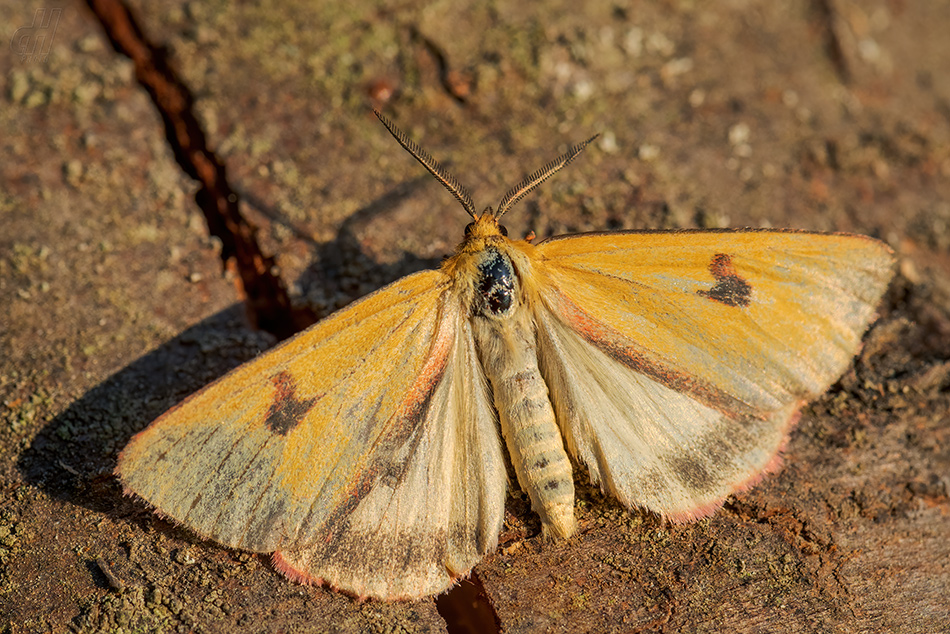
366,453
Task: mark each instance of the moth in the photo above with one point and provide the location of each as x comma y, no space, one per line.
368,452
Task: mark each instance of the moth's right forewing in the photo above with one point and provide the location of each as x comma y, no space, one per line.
677,361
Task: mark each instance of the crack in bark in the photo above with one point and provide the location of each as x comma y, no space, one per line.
455,83
268,302
467,607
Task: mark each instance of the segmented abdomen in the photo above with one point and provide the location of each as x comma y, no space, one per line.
509,358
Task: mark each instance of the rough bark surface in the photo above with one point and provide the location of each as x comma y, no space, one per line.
114,303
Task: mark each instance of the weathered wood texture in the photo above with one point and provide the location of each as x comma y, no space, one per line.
827,115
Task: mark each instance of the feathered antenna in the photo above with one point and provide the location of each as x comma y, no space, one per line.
520,190
435,168
461,194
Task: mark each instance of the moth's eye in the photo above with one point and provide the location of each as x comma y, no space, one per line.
468,229
504,230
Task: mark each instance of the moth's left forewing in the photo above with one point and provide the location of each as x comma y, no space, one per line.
363,451
677,361
259,458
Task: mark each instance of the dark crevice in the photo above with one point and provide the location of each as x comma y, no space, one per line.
456,84
268,303
467,608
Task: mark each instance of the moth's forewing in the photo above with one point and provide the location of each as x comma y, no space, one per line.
326,433
766,316
677,360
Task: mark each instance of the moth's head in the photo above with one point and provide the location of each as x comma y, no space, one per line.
484,269
485,226
483,232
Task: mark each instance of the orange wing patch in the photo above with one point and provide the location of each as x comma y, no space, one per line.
730,289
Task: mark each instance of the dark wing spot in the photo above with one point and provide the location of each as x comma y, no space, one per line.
730,289
692,472
287,411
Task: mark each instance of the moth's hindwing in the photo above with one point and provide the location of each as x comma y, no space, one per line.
434,510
